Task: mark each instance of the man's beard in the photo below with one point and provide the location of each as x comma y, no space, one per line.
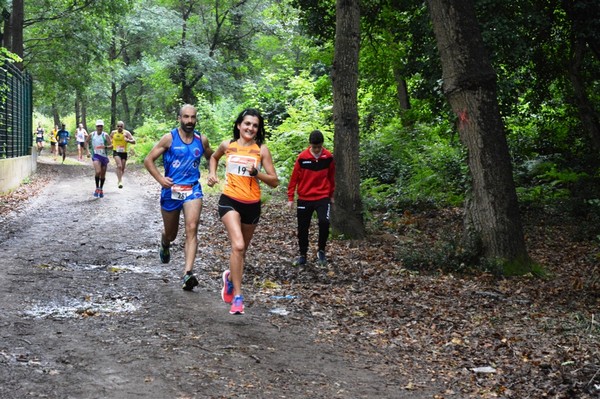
188,128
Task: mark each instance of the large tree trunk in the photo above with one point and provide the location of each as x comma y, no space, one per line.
469,83
347,216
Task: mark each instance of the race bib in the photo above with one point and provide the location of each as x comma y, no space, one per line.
181,191
238,165
120,148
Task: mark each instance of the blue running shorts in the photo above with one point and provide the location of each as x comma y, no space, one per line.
172,199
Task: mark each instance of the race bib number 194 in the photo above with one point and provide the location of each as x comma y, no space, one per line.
238,165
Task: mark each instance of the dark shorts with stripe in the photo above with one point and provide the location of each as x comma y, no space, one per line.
249,213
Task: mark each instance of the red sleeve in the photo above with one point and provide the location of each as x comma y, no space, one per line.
294,180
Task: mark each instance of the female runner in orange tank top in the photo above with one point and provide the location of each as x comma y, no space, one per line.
239,204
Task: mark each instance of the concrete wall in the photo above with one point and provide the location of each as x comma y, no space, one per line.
14,170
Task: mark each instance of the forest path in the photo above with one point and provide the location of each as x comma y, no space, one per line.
88,310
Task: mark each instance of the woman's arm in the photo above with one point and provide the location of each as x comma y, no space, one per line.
213,162
269,176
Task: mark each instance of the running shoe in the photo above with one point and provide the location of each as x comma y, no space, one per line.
120,184
237,306
227,291
301,261
164,253
189,282
100,193
96,193
321,258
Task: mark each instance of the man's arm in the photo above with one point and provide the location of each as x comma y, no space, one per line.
207,150
149,162
129,137
108,141
294,180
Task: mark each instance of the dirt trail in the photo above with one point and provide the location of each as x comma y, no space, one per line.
88,311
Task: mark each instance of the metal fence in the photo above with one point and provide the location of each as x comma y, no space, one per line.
16,108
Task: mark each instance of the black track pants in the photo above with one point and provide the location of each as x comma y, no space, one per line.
305,211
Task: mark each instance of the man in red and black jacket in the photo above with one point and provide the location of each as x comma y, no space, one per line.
313,178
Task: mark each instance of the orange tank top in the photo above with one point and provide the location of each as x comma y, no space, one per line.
239,185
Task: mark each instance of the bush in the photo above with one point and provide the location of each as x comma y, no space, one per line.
146,136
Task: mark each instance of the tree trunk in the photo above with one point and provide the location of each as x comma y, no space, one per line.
187,93
83,104
55,115
77,107
347,216
587,114
126,110
6,42
113,104
112,56
492,217
138,111
17,17
401,89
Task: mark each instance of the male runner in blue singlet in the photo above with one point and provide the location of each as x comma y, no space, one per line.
182,150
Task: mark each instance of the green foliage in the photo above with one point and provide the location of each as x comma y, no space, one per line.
7,56
543,183
147,136
377,195
165,99
207,119
303,114
417,164
516,267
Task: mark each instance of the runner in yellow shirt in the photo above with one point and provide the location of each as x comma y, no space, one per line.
53,141
121,138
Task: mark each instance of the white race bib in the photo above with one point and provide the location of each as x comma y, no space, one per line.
238,164
181,191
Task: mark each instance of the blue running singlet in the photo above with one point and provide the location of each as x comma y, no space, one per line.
182,165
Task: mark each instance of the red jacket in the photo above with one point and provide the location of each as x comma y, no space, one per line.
313,177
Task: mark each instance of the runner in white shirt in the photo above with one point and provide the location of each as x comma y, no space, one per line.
81,136
101,142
